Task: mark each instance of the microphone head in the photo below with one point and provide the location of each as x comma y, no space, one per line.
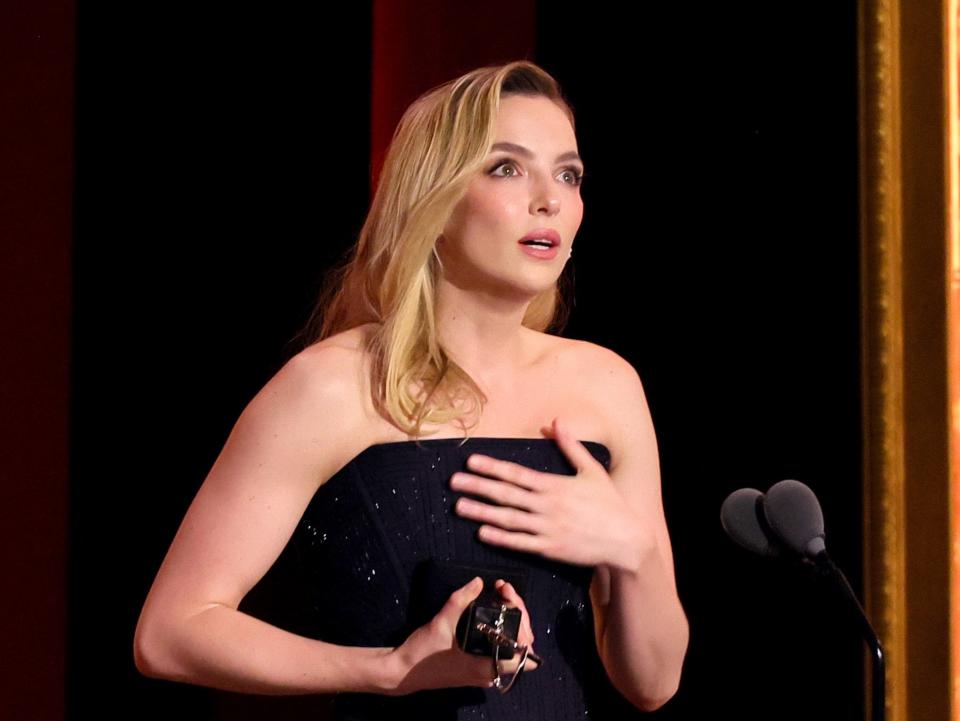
742,518
793,513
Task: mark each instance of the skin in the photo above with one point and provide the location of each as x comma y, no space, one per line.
487,280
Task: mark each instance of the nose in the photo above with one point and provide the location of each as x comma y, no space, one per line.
550,206
546,199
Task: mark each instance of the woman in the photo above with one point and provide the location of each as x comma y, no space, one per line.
434,328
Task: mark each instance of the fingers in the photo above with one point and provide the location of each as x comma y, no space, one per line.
510,595
458,602
525,635
462,597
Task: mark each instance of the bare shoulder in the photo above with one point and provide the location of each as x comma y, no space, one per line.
614,383
602,369
325,373
317,397
335,364
351,339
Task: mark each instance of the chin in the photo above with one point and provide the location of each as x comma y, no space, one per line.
530,292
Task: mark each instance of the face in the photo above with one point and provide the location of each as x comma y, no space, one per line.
529,182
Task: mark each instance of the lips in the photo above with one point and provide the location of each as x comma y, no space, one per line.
547,234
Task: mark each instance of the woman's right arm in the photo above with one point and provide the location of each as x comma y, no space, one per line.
289,439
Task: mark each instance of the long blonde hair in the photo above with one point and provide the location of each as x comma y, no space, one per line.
389,276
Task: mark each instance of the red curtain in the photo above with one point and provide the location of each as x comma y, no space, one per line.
418,44
36,231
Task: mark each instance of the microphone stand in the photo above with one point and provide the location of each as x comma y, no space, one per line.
828,568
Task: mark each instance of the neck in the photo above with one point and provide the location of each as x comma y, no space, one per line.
484,335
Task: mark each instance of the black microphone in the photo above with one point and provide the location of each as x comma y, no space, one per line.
741,516
789,517
793,514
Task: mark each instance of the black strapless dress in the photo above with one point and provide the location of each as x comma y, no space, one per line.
367,528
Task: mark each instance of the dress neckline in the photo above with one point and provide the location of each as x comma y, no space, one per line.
481,442
484,439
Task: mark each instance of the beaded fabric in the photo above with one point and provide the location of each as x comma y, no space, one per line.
390,508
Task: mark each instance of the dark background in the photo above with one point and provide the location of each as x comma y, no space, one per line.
223,161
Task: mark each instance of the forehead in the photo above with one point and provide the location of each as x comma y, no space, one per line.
535,122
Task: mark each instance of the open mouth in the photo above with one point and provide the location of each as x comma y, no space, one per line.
538,243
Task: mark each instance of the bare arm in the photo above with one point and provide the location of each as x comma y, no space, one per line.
641,629
291,437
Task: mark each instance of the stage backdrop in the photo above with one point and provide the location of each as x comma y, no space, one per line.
224,160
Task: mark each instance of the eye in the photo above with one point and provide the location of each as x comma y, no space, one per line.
504,164
572,174
575,175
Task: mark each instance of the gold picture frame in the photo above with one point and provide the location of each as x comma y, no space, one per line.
908,149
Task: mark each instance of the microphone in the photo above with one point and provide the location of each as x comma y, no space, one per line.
793,513
788,518
742,518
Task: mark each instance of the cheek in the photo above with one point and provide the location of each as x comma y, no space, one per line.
576,212
489,212
568,221
493,200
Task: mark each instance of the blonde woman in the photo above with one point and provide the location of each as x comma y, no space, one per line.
435,424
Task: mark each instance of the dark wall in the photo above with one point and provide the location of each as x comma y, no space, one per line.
224,162
719,253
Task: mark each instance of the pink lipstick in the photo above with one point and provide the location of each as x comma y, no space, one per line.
541,243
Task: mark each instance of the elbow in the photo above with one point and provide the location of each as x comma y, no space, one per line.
650,698
147,651
655,701
655,690
668,683
142,655
142,661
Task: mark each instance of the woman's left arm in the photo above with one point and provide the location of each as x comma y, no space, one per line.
641,629
612,521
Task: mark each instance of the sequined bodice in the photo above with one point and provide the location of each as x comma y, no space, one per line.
391,507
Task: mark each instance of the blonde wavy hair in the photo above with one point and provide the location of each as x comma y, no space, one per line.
389,276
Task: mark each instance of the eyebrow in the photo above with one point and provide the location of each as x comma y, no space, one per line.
520,150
